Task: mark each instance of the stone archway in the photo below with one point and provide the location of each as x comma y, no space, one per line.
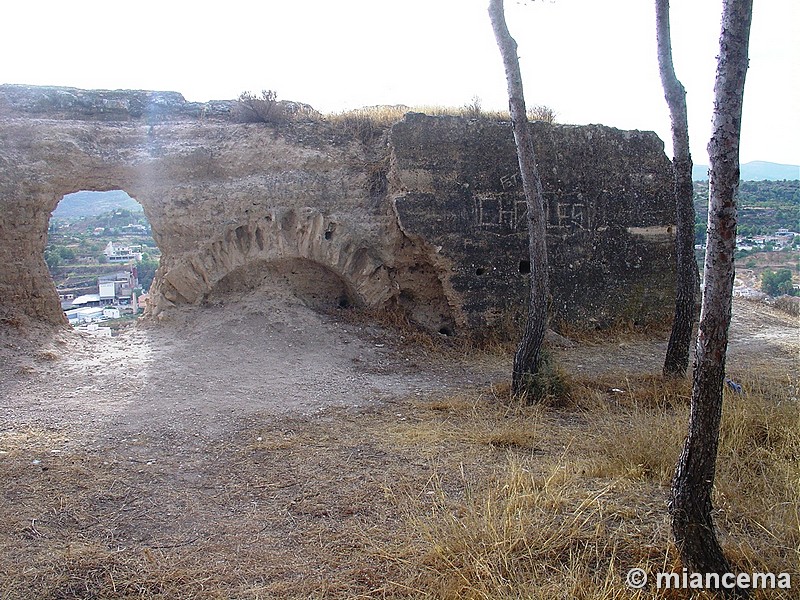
93,236
300,234
219,195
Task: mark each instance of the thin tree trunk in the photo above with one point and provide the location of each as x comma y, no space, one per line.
676,361
690,503
527,356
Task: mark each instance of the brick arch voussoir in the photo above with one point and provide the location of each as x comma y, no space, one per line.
293,234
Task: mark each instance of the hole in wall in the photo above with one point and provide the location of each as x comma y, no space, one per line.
102,257
480,271
525,267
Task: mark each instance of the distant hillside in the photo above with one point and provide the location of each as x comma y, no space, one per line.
92,204
757,170
764,207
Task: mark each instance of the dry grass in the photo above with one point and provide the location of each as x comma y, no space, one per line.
758,485
466,495
386,115
622,330
788,304
570,524
530,534
499,340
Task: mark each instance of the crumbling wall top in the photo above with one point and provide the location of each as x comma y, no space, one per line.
106,105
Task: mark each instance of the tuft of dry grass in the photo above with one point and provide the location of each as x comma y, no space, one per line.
48,355
758,471
609,393
621,330
530,534
479,418
569,523
396,319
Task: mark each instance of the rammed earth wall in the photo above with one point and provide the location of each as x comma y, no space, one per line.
427,214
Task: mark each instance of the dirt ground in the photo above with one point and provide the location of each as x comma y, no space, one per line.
236,445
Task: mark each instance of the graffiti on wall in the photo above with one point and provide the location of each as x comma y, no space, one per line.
506,212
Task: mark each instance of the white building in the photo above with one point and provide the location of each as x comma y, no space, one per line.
122,254
118,287
86,300
81,316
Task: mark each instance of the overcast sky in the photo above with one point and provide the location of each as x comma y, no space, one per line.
592,61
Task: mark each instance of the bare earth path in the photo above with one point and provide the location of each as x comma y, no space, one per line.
231,430
262,354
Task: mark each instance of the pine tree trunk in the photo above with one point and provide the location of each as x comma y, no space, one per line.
677,357
690,503
527,356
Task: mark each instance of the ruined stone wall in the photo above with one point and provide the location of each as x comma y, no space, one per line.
609,207
428,215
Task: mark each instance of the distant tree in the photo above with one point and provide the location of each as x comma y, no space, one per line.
52,258
146,270
787,288
677,358
777,282
66,253
690,501
528,357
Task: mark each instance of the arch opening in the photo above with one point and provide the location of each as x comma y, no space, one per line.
102,258
286,279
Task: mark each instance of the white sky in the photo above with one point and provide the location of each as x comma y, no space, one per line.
592,61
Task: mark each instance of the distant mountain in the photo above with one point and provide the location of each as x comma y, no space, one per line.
757,170
91,204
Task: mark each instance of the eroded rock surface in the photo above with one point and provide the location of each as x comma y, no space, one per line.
427,215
